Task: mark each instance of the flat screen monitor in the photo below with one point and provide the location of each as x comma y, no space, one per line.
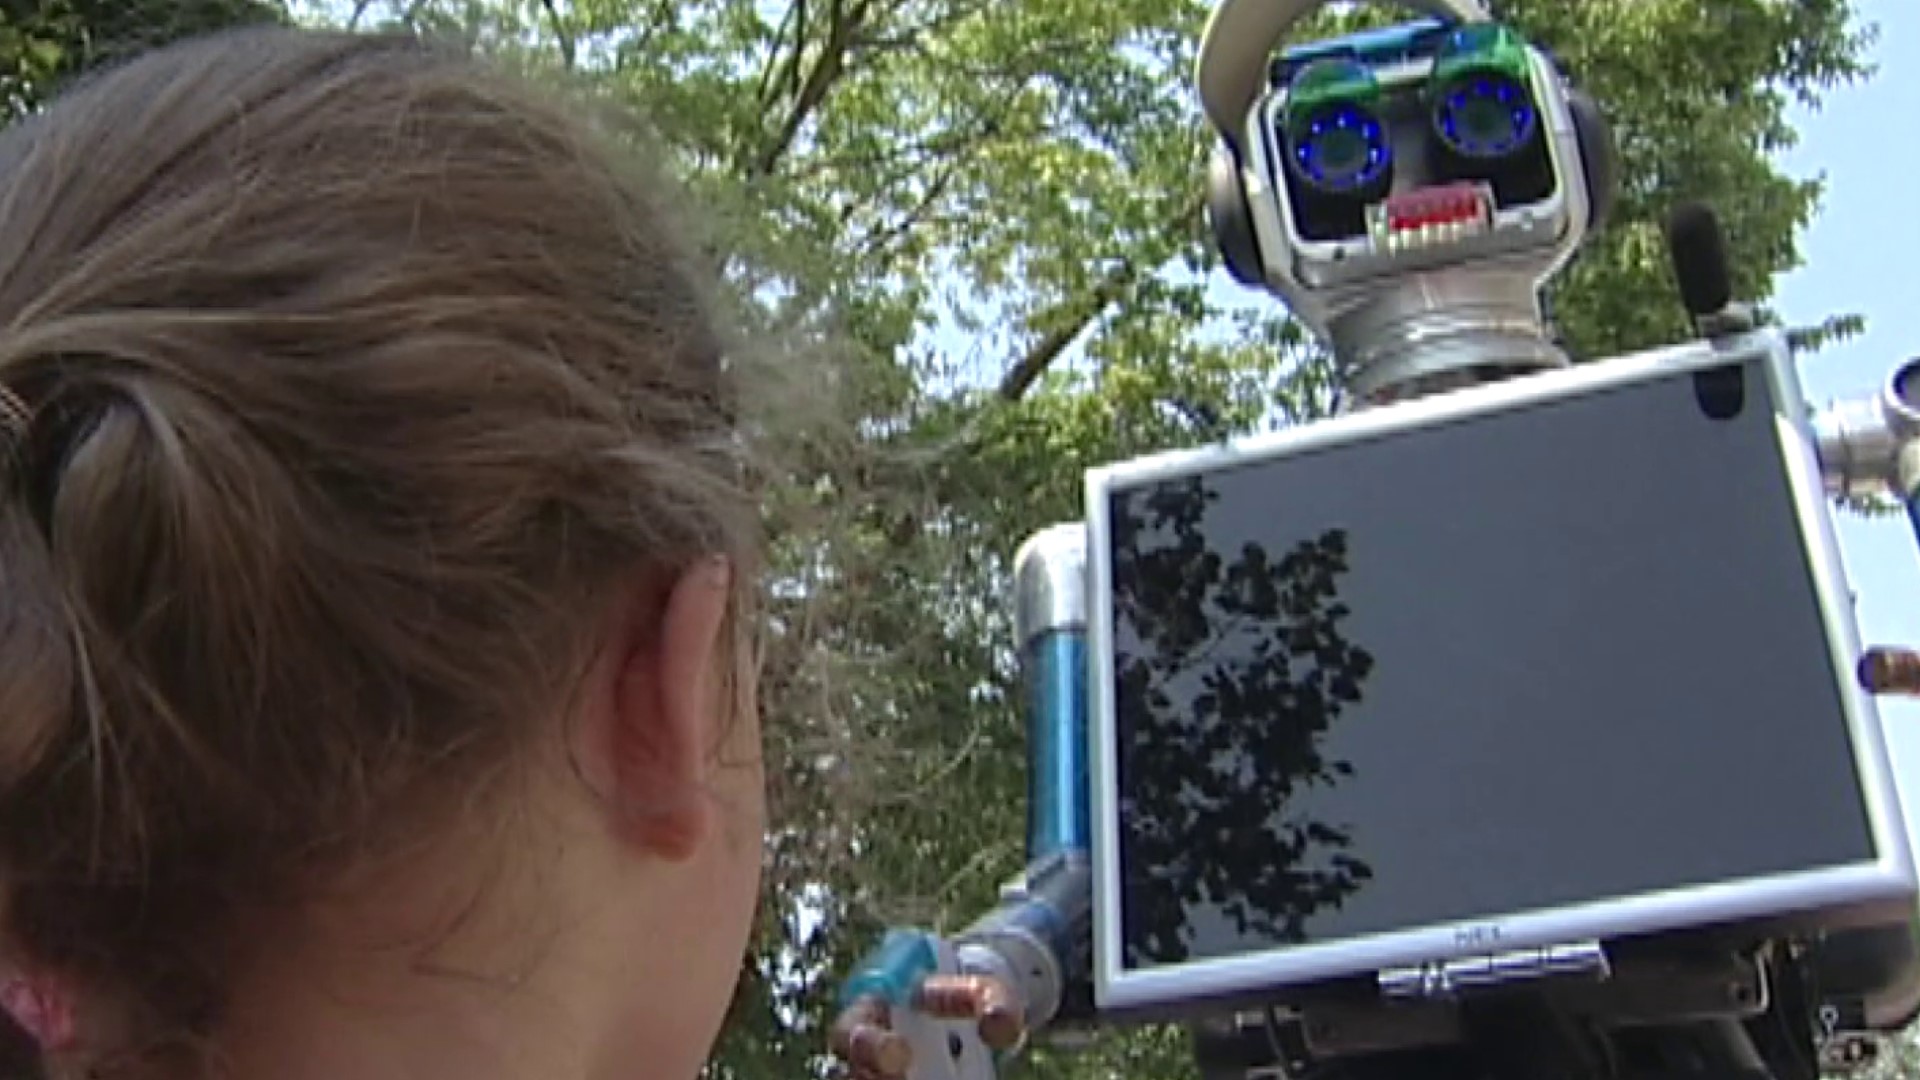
1558,660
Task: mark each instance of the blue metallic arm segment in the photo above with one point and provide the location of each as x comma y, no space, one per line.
1057,805
1050,621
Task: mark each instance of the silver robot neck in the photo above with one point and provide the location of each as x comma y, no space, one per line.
1432,333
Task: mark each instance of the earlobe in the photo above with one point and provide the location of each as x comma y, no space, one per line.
666,716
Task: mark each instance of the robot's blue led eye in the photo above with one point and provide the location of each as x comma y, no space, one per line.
1490,117
1342,150
1482,94
1335,142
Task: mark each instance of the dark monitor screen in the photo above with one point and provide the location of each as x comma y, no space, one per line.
1561,654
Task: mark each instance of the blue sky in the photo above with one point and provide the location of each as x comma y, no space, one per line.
1860,256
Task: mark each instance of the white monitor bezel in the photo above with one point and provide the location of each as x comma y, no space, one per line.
1889,878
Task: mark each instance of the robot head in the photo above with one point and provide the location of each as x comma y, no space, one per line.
1407,191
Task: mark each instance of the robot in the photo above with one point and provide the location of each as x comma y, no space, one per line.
1408,193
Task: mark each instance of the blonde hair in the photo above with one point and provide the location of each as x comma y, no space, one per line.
343,378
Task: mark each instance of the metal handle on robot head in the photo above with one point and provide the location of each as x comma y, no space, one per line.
1241,35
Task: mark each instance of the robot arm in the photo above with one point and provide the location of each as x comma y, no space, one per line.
924,1007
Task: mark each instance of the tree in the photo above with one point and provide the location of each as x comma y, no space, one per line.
46,42
984,220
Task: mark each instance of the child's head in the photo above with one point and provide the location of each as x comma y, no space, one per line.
375,545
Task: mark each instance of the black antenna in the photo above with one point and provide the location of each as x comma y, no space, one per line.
1698,248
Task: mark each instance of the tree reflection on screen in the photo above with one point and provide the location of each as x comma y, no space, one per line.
1231,668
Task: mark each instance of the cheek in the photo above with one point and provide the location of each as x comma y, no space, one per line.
703,937
749,838
747,815
743,790
745,756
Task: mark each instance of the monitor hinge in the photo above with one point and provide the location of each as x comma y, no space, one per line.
1450,977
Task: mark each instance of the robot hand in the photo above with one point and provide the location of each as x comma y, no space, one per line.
911,1013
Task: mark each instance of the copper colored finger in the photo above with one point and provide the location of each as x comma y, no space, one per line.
1001,1028
1890,671
876,1051
975,997
861,1038
1002,1021
953,997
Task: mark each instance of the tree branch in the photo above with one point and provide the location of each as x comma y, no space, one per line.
879,240
560,33
842,25
780,59
659,16
914,37
914,155
1079,313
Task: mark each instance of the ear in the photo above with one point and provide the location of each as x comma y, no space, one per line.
665,723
